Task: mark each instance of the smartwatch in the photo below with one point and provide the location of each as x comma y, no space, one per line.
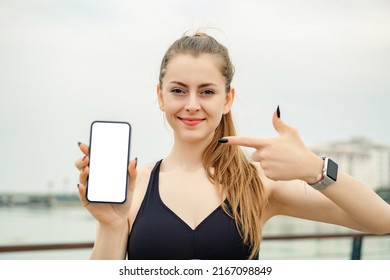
329,174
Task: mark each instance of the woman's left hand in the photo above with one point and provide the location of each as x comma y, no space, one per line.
284,157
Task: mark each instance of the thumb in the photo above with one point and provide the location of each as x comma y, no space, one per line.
277,122
132,173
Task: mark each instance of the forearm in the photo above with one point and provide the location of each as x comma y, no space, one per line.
111,242
361,203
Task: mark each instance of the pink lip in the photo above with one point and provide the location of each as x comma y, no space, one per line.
191,121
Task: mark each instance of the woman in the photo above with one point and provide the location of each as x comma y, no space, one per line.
205,200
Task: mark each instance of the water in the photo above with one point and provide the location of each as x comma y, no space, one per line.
74,224
46,225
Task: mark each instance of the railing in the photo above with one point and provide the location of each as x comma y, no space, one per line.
357,240
356,250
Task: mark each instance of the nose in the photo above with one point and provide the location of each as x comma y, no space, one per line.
193,104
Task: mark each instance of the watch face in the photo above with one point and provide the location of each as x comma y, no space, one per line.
332,169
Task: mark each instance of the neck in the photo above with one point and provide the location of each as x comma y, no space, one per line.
185,156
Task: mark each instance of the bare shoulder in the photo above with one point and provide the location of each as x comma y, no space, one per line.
143,172
280,194
141,185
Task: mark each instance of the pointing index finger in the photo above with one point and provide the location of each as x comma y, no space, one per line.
251,142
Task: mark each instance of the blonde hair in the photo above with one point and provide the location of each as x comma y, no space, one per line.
226,165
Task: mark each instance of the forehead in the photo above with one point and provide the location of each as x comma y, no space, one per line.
202,68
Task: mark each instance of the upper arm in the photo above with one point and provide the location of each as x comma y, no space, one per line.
297,199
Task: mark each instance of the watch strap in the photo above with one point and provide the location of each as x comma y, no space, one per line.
324,179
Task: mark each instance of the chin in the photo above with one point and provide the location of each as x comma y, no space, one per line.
195,137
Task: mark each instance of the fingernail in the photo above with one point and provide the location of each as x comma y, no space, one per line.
223,140
278,112
79,143
136,162
78,185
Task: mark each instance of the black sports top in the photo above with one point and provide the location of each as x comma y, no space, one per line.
159,234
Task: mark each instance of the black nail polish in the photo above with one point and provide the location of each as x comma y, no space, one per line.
278,112
223,140
79,143
78,185
136,162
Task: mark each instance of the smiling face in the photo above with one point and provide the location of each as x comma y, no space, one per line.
193,96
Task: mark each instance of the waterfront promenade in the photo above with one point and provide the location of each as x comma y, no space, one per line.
36,199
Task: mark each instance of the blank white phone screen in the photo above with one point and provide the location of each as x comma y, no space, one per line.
109,157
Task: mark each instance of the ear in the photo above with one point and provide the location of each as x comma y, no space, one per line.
160,97
229,101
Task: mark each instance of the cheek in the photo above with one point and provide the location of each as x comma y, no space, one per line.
169,104
172,108
215,109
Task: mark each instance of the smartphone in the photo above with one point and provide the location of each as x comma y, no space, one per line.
109,153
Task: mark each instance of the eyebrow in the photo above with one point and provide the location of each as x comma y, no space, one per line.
201,85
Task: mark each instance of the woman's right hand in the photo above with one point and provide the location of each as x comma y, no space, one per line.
105,213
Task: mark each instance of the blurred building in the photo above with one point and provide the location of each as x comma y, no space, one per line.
366,161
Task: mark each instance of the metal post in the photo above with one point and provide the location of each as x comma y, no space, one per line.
357,248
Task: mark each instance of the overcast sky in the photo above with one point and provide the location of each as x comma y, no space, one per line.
64,64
